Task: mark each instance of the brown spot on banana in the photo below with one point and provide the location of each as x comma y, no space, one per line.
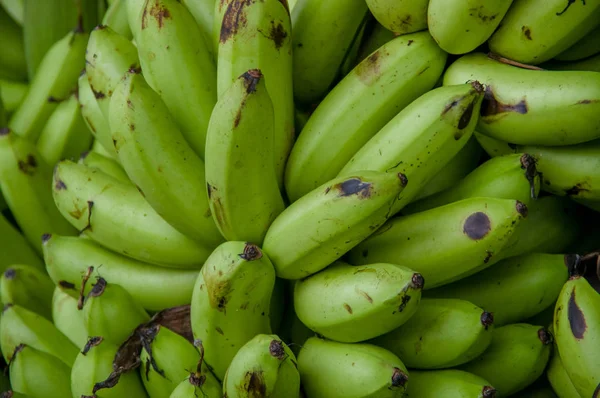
354,186
477,226
491,106
576,317
277,350
233,19
399,378
487,319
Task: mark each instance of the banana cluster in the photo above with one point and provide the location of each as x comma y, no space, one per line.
300,198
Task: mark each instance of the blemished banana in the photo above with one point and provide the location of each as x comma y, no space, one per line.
458,238
448,383
22,326
200,382
359,105
155,288
178,66
203,12
384,297
332,369
264,367
117,216
317,62
460,26
586,47
241,181
231,301
116,18
350,59
532,107
56,76
104,164
28,287
576,316
516,357
12,94
162,165
558,377
25,180
375,36
422,138
514,289
400,16
15,248
67,317
324,224
37,374
13,64
442,333
534,31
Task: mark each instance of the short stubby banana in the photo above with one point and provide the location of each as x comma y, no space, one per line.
448,383
558,377
532,107
446,242
324,224
400,16
67,317
365,100
355,303
28,287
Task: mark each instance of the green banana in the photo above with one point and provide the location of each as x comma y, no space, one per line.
155,288
457,238
532,107
134,16
434,128
400,16
67,318
558,377
534,31
231,301
350,59
15,248
12,94
242,184
359,106
25,184
13,65
178,66
117,216
384,297
162,164
442,333
14,8
316,62
586,47
576,316
332,369
2,112
516,357
263,367
376,35
460,26
104,164
199,383
29,288
116,18
448,383
324,224
591,64
203,13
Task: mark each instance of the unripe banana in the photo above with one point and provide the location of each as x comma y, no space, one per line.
263,367
203,12
384,297
558,377
200,382
67,318
331,369
13,64
586,47
242,185
118,217
359,106
12,94
458,238
104,164
29,288
134,16
532,107
449,383
116,18
400,16
375,36
442,333
326,223
67,258
591,64
15,248
231,301
516,357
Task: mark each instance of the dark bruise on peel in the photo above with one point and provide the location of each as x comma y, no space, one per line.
354,186
487,319
465,118
576,317
60,185
278,34
488,392
348,308
251,252
399,378
576,190
254,384
29,165
10,273
528,163
477,225
491,106
233,19
368,70
276,349
526,32
521,208
66,285
251,80
46,238
405,300
160,13
4,131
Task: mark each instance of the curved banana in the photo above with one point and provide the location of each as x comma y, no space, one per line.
27,287
532,107
494,147
586,47
457,238
67,317
15,249
558,377
231,301
384,297
13,65
116,18
199,383
331,369
591,64
68,258
326,223
242,184
104,164
400,16
448,383
359,106
117,216
12,94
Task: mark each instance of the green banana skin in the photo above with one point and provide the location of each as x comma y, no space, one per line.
242,185
559,379
134,16
155,288
382,298
576,315
591,64
534,31
442,333
179,66
374,37
203,13
435,127
532,107
516,357
400,16
163,166
332,369
494,147
116,18
67,318
586,47
104,164
349,61
448,383
13,64
14,8
513,289
118,217
12,94
326,223
28,287
266,367
362,103
474,230
231,301
15,248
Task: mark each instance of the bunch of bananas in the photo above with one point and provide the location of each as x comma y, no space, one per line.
310,198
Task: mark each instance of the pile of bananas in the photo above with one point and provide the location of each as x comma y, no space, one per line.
311,198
